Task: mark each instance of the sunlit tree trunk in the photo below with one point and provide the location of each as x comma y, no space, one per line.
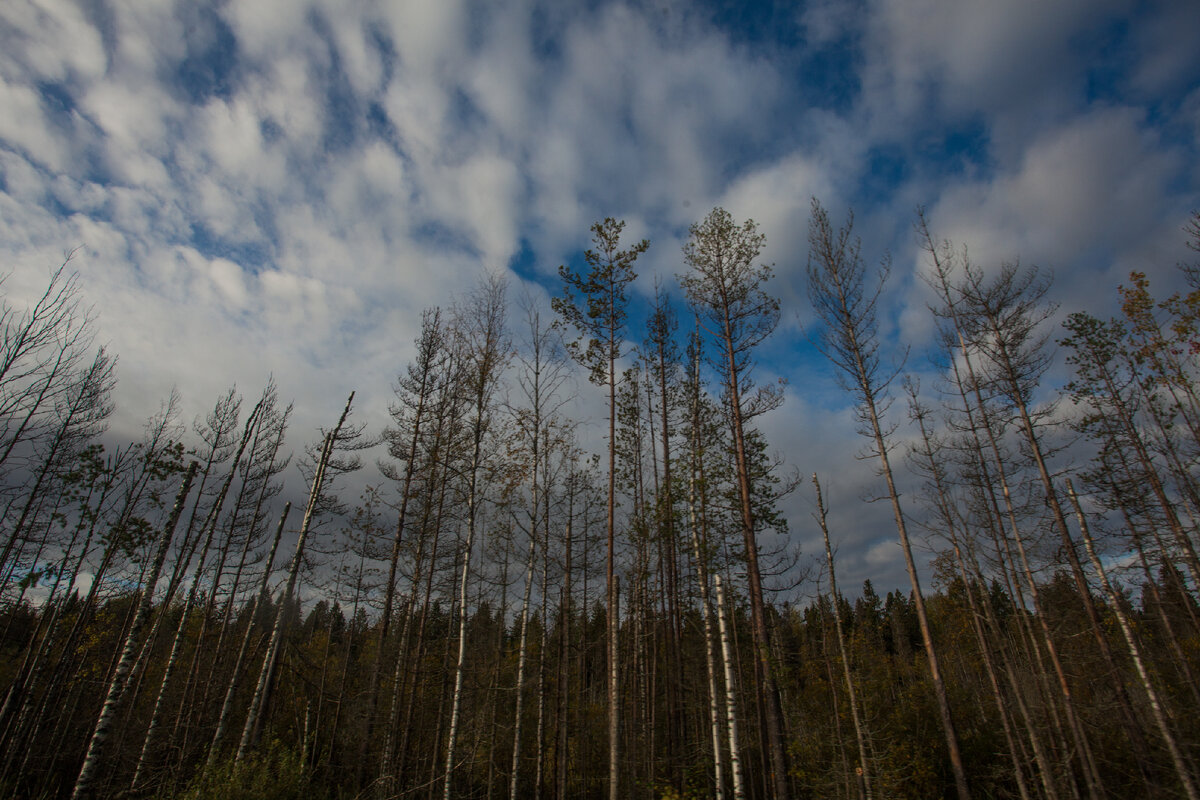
595,304
731,718
700,558
726,288
522,653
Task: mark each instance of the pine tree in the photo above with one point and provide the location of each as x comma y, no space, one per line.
595,305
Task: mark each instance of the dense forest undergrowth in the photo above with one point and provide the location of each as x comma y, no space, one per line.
501,613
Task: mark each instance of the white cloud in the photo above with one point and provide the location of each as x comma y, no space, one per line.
778,198
429,34
503,77
284,95
361,61
23,125
53,40
481,196
265,27
1084,189
230,282
225,238
233,133
1018,63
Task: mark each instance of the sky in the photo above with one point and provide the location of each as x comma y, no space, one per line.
280,187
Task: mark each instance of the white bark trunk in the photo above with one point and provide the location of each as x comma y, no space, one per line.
250,730
116,687
739,786
1135,652
521,658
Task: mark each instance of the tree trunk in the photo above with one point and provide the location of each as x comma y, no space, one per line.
522,651
250,731
214,749
714,713
1135,652
739,785
863,764
84,784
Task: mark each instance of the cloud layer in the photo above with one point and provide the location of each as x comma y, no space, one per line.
280,187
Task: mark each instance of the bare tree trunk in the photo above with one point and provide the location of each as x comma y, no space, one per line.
484,351
837,286
209,525
863,769
420,380
564,671
612,622
714,713
250,730
1135,652
539,734
227,706
522,651
273,430
1003,551
84,787
1006,312
726,287
735,760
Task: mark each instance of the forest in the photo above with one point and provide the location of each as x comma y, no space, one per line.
486,600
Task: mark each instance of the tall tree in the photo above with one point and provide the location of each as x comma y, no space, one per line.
325,467
727,289
484,347
413,390
85,783
594,303
1005,315
541,373
846,302
41,347
864,770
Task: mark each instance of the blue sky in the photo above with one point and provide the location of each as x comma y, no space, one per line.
281,186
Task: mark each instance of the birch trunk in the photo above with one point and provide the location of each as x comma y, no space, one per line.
1135,652
735,760
227,706
209,525
564,653
519,688
250,730
84,784
698,528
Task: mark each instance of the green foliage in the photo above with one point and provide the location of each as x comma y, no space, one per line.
277,773
595,303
